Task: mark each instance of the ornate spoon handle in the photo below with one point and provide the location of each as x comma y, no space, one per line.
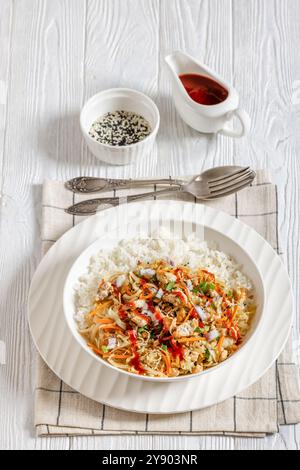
90,206
89,184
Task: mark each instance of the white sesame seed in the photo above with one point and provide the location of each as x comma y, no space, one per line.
120,128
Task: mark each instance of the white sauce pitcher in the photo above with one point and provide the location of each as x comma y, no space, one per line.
205,118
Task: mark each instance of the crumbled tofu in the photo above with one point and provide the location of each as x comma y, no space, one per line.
202,314
104,290
120,280
147,272
224,355
159,294
112,343
194,356
185,329
139,321
228,342
140,303
172,299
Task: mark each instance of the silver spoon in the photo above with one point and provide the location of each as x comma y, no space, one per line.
212,184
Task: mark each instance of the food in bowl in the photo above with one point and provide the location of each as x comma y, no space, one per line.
120,128
164,308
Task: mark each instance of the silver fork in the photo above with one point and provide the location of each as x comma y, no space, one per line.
212,184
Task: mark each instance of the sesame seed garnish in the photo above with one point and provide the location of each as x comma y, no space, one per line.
120,128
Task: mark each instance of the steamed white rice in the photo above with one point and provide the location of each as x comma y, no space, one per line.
126,254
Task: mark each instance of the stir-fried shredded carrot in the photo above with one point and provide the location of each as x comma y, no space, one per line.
189,340
146,297
103,320
100,307
235,311
167,361
116,356
110,327
96,350
166,320
120,356
128,291
220,343
189,313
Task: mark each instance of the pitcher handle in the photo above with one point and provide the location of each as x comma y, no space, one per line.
245,122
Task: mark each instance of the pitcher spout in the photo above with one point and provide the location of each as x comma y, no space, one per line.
180,63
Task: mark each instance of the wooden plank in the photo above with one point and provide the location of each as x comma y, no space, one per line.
45,85
5,38
202,29
265,67
121,48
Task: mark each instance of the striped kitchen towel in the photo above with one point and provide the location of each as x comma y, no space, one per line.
257,411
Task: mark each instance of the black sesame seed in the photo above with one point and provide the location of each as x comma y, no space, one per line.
120,128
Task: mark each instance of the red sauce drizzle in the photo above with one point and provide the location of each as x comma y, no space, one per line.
178,273
122,314
158,316
144,317
151,306
155,312
165,338
180,295
176,350
194,314
203,90
135,361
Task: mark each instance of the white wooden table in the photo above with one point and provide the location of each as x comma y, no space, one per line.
57,53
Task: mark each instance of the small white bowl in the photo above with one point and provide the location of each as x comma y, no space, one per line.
116,99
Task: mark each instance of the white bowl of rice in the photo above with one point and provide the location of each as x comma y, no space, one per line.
120,125
207,325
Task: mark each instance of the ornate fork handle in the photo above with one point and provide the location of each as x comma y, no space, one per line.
90,206
89,184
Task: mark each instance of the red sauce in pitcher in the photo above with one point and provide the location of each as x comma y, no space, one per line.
203,90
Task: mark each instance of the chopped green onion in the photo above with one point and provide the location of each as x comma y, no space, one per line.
170,285
142,330
230,294
105,349
199,330
205,287
207,354
164,347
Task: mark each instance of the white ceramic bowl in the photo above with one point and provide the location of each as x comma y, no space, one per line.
116,99
223,242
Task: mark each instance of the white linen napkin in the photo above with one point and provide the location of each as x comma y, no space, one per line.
273,400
